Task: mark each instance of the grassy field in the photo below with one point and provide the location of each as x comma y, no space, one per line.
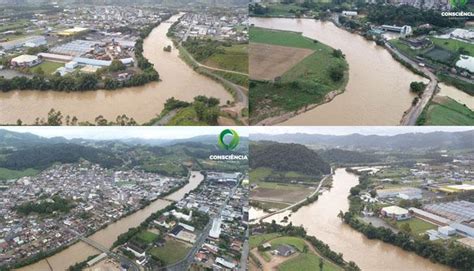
417,225
446,111
234,58
272,205
171,252
7,174
296,242
256,240
306,261
453,45
146,237
307,82
48,67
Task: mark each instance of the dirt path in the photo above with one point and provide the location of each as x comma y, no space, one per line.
274,262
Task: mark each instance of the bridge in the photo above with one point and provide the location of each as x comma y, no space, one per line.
122,259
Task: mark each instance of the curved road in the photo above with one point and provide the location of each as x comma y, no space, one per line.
412,114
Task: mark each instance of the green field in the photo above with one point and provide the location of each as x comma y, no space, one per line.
171,252
258,175
48,67
234,58
256,240
446,111
306,261
306,83
7,174
283,9
453,45
417,225
146,237
296,242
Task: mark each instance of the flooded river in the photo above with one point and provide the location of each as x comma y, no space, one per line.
457,95
378,91
142,103
320,220
106,237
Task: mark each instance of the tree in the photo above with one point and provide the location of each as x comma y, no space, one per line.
54,118
117,65
417,87
337,53
321,264
19,122
336,73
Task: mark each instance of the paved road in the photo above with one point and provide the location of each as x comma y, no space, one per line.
299,202
186,262
414,112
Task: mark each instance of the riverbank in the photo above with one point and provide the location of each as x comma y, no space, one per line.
287,76
375,96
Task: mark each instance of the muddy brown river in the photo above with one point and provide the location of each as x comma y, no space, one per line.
320,220
106,237
378,91
142,103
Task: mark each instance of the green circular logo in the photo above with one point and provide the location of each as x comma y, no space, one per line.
458,3
229,145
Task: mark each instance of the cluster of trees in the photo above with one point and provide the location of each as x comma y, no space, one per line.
408,15
336,72
451,254
172,104
76,82
56,204
287,157
308,201
203,49
207,109
340,156
258,9
56,118
322,248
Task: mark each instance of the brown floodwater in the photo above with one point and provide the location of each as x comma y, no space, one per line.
378,91
106,237
142,103
320,220
457,95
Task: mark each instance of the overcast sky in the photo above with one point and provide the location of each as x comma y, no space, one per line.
102,133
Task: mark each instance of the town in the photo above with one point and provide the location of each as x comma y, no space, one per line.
99,40
49,211
205,229
429,199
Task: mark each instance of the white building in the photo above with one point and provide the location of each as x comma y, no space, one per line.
395,212
216,228
25,61
349,13
446,230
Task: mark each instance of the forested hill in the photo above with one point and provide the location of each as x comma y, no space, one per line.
347,157
287,157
